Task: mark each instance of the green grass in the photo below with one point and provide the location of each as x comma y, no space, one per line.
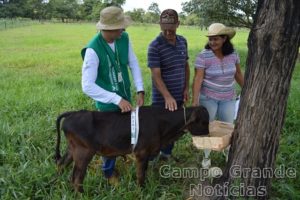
41,77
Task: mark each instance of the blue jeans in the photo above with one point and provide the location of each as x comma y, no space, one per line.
222,110
167,151
108,166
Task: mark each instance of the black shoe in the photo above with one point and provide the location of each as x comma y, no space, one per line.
164,158
168,158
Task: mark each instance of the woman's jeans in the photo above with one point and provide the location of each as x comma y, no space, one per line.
222,110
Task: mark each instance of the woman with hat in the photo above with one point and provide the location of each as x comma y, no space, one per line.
217,67
105,75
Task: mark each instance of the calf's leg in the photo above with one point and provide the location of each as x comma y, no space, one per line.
65,161
141,164
82,157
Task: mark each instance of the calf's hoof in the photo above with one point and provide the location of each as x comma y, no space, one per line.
78,189
142,185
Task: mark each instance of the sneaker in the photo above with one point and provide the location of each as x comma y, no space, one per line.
164,158
226,153
206,163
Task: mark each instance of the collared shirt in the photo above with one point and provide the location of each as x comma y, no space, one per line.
89,76
171,59
218,82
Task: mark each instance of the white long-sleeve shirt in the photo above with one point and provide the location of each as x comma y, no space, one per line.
90,71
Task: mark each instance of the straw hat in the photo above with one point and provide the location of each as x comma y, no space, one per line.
112,18
220,29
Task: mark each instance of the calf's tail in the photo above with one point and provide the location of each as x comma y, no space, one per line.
58,120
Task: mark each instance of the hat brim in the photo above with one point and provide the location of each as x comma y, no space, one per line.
230,32
120,25
168,26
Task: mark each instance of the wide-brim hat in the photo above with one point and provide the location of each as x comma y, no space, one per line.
220,29
113,18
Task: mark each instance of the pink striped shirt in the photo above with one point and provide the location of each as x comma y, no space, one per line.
219,74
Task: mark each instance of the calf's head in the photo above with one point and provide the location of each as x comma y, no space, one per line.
198,122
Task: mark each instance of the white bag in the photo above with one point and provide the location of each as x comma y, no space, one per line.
237,105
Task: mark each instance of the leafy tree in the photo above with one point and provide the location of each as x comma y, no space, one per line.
137,15
152,16
153,8
3,9
63,9
36,9
95,16
90,9
237,13
13,8
87,8
191,20
118,3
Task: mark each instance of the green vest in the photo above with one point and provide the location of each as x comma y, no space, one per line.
112,70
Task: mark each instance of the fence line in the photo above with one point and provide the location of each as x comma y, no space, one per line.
17,22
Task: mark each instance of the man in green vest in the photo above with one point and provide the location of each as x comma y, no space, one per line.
105,75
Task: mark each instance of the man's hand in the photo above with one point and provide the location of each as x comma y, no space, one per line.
140,99
125,106
170,104
186,96
195,103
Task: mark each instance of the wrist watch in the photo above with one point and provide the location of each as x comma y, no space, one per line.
142,92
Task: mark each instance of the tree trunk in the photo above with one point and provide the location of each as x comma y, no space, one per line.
273,48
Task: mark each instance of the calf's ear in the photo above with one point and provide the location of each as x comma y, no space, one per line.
192,118
199,113
204,113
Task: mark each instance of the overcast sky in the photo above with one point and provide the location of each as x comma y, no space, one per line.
162,4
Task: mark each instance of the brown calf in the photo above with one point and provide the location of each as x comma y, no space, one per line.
109,134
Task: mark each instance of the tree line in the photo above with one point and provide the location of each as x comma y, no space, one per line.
238,13
65,10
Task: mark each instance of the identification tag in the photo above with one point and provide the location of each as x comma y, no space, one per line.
120,78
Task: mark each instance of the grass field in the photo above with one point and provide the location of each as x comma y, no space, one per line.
40,77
